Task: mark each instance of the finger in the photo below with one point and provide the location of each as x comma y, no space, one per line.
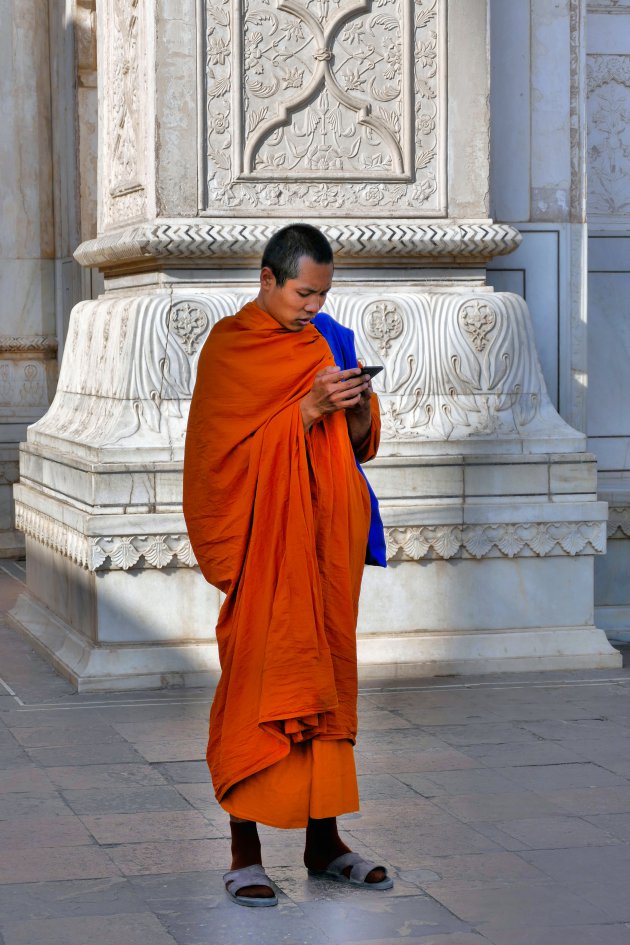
349,373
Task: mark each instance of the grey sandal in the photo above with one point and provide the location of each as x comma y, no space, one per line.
358,873
253,875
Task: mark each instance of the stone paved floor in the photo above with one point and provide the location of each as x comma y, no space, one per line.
501,804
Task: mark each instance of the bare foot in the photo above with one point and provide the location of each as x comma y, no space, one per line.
323,845
246,852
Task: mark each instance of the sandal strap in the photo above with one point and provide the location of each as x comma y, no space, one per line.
360,866
253,875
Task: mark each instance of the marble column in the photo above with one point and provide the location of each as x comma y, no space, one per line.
219,121
27,313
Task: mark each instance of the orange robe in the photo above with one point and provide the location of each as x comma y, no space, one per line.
278,520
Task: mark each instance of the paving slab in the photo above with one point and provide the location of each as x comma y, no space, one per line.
500,804
572,935
45,864
88,777
42,900
35,832
130,929
148,826
124,800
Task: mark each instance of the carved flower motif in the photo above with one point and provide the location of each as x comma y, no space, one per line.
422,192
372,194
218,51
253,54
293,30
393,58
293,78
324,158
384,323
353,33
271,195
425,125
478,321
219,122
426,53
354,80
323,195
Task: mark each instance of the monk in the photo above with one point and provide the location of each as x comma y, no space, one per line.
282,520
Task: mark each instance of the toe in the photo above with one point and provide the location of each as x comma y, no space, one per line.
376,875
256,892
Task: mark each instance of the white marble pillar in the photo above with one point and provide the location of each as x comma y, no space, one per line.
220,121
27,292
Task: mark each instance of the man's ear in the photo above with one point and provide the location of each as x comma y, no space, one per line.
267,278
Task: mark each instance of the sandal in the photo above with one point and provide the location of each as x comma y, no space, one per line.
249,876
360,869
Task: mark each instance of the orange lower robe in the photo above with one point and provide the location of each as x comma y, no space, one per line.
278,519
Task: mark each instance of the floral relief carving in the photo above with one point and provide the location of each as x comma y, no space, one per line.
134,364
126,196
609,135
189,323
416,542
339,108
383,324
120,552
479,321
454,369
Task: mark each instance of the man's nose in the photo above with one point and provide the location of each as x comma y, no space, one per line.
312,306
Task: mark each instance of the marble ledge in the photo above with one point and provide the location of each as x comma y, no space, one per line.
197,242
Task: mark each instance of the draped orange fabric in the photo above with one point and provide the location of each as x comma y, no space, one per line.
278,520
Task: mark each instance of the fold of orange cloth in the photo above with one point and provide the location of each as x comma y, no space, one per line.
278,520
316,779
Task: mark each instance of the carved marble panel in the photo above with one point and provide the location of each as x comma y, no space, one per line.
341,106
609,135
128,371
457,368
123,117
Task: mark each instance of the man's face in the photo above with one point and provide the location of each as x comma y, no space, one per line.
296,303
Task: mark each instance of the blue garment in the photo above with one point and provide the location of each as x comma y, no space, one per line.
341,343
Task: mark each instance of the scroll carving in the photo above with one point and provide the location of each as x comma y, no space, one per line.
454,369
125,197
609,134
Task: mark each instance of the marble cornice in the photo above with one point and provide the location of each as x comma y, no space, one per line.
29,345
195,242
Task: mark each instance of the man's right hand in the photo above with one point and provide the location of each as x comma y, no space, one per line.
332,390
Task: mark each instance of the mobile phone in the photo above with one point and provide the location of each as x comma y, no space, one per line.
371,369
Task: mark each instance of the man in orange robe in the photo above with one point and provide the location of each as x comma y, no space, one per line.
278,514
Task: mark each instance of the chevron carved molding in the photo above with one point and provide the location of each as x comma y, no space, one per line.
243,241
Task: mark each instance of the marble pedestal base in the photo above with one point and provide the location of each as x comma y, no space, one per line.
489,499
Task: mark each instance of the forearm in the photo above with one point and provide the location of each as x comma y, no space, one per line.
310,414
359,425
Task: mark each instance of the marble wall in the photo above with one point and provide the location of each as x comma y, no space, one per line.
27,241
48,109
608,109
